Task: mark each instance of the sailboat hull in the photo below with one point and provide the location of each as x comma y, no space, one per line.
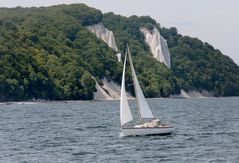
147,131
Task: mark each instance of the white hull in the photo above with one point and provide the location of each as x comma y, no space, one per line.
154,127
147,131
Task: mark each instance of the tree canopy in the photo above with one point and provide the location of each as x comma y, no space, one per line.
47,53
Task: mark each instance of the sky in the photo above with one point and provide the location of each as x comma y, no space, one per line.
212,21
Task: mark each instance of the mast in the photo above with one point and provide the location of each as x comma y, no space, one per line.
125,113
134,82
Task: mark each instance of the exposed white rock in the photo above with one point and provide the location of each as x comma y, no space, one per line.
111,91
118,55
195,94
112,88
104,34
101,94
184,94
158,45
108,91
206,93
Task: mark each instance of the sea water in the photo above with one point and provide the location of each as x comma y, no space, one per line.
206,130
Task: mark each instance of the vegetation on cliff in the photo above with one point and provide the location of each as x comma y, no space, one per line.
47,53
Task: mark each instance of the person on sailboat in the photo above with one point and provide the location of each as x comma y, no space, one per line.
153,123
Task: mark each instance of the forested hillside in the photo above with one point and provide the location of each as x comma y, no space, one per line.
47,53
195,65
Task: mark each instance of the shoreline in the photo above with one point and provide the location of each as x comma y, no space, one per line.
28,102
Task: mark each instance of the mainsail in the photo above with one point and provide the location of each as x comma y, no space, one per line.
125,113
143,106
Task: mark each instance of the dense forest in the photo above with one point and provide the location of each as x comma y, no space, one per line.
48,53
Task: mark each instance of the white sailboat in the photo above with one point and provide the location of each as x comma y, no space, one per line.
154,126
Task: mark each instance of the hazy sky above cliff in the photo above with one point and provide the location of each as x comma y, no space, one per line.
213,21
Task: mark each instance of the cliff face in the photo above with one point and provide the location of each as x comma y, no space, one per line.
195,94
100,93
158,45
106,35
108,91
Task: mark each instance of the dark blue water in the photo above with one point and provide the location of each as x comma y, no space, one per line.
207,130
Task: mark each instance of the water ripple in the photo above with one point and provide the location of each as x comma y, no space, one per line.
206,131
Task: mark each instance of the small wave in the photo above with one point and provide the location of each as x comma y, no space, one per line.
16,149
93,127
121,135
232,133
79,129
205,134
82,153
190,138
217,160
18,129
66,116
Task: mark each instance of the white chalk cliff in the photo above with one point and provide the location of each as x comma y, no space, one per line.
158,45
101,94
194,94
106,35
108,91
